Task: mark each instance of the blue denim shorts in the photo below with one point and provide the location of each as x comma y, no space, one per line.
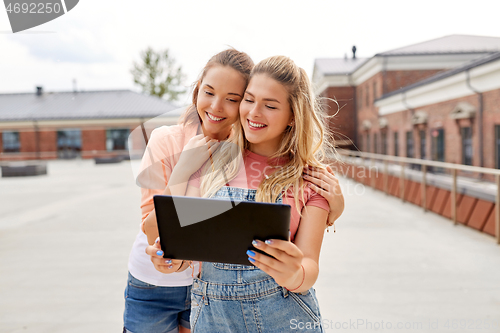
155,309
239,298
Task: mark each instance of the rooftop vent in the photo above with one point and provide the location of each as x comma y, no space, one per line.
39,91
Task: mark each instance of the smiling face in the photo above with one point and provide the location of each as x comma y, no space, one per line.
219,96
265,113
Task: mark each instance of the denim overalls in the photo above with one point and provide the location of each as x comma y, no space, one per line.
240,298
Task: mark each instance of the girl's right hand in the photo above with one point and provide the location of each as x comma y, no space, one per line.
163,265
196,152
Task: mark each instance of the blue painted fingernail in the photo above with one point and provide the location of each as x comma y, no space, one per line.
255,243
252,260
168,261
159,253
251,253
268,241
169,267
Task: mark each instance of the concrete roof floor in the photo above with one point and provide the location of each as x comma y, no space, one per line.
65,240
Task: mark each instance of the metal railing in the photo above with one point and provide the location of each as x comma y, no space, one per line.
424,164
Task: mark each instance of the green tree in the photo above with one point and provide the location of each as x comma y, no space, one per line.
157,74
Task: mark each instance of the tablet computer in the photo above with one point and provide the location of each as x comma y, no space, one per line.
216,230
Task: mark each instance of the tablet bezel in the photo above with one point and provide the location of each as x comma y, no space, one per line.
219,238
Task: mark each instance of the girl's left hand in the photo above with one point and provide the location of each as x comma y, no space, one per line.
163,265
327,185
285,267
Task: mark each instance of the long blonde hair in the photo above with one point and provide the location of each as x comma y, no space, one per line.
303,143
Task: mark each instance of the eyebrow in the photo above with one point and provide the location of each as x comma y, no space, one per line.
227,93
265,99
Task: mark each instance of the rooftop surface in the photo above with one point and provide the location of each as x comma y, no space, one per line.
65,240
336,66
81,105
450,44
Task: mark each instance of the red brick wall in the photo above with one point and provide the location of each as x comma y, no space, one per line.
491,117
439,117
93,139
343,124
48,140
366,93
394,80
28,141
399,122
93,143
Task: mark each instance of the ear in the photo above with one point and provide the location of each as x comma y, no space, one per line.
291,123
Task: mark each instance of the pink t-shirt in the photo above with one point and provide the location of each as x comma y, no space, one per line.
162,154
256,167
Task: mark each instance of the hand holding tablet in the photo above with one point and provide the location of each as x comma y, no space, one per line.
216,230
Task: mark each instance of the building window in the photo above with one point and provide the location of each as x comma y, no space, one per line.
11,142
375,143
117,139
69,143
367,147
497,146
384,142
438,144
466,133
396,144
423,144
409,144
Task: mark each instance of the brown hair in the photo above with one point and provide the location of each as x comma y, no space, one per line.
239,61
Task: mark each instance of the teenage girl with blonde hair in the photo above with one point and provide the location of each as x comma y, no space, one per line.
281,133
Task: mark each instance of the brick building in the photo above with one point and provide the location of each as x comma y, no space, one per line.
88,124
438,100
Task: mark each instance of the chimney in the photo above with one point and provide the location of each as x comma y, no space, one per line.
354,51
39,91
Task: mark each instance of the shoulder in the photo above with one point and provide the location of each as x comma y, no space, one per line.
316,199
165,131
172,134
310,197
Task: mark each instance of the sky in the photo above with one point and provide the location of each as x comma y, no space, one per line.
97,42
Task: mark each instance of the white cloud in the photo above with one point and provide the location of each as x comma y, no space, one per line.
97,41
72,46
